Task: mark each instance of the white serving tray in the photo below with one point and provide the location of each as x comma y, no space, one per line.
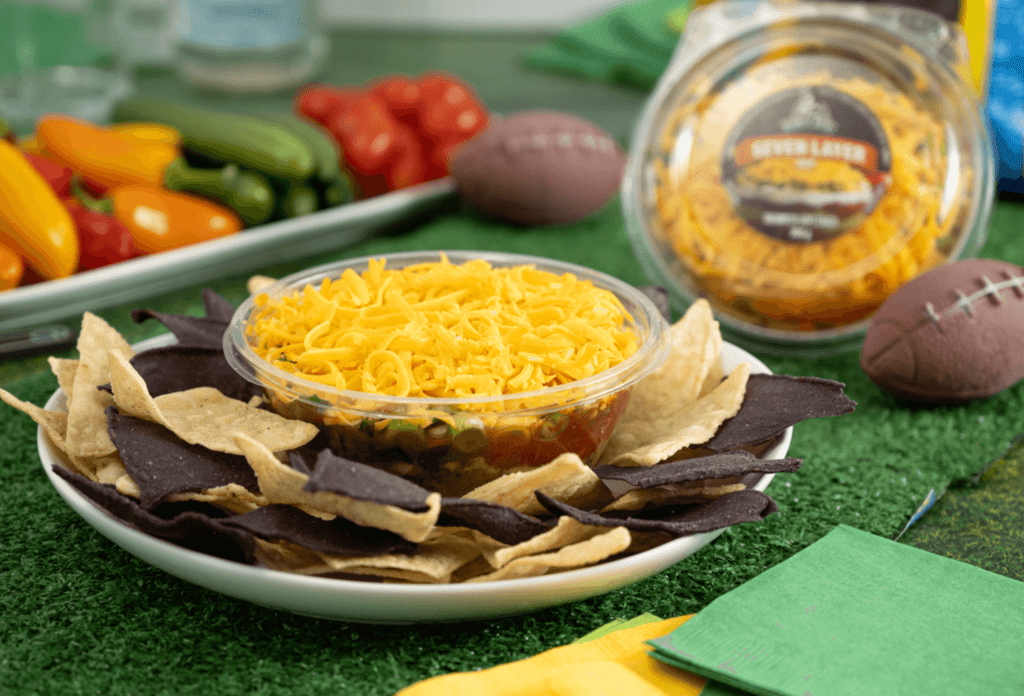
256,247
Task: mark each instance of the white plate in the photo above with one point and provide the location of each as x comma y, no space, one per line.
388,603
256,247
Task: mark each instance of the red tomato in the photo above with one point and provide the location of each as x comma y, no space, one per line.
318,102
366,132
401,94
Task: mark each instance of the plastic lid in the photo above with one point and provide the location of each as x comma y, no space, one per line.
797,163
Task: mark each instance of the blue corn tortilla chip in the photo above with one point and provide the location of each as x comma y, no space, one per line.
337,537
335,474
201,332
659,296
772,403
715,466
178,368
729,509
190,530
496,521
162,464
217,307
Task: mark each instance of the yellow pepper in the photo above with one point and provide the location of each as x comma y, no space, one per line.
33,221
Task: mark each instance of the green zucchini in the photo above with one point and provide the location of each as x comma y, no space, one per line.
246,192
321,144
250,142
299,200
331,183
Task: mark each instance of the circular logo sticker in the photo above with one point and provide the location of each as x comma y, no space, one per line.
807,164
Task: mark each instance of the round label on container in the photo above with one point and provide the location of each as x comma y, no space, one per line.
807,164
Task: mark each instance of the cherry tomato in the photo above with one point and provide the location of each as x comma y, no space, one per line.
319,102
367,133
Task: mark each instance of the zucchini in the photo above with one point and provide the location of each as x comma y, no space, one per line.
325,150
246,192
331,183
254,143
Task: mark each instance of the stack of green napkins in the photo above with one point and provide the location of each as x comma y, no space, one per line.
630,44
856,614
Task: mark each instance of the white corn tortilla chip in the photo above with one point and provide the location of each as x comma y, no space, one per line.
204,416
282,484
87,434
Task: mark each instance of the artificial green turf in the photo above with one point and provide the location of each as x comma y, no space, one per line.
80,616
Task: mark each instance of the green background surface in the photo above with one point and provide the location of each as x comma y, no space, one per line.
80,616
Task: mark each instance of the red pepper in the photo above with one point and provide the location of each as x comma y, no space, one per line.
56,175
102,239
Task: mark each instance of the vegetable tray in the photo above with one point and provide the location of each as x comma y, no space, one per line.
259,246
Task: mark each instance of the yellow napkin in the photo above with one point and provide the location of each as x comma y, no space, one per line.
615,664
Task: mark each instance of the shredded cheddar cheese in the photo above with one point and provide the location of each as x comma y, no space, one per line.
443,330
827,283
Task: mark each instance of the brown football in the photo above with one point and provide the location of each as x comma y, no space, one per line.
950,335
539,168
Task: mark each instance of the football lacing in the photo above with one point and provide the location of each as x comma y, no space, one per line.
965,302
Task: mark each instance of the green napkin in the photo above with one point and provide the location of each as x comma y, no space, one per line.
857,614
630,44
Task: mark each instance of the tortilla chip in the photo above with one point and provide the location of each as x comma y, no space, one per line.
204,416
648,437
715,466
282,484
434,561
496,521
179,368
259,283
732,508
230,497
163,465
64,370
205,332
676,493
333,474
564,478
593,550
337,537
659,296
774,403
55,425
87,425
567,531
190,530
217,306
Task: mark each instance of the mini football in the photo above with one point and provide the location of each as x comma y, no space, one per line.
950,335
539,168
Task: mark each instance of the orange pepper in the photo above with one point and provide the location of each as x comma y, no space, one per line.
160,220
11,268
102,155
33,221
148,133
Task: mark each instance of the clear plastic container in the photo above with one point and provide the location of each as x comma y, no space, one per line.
798,162
456,444
248,46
